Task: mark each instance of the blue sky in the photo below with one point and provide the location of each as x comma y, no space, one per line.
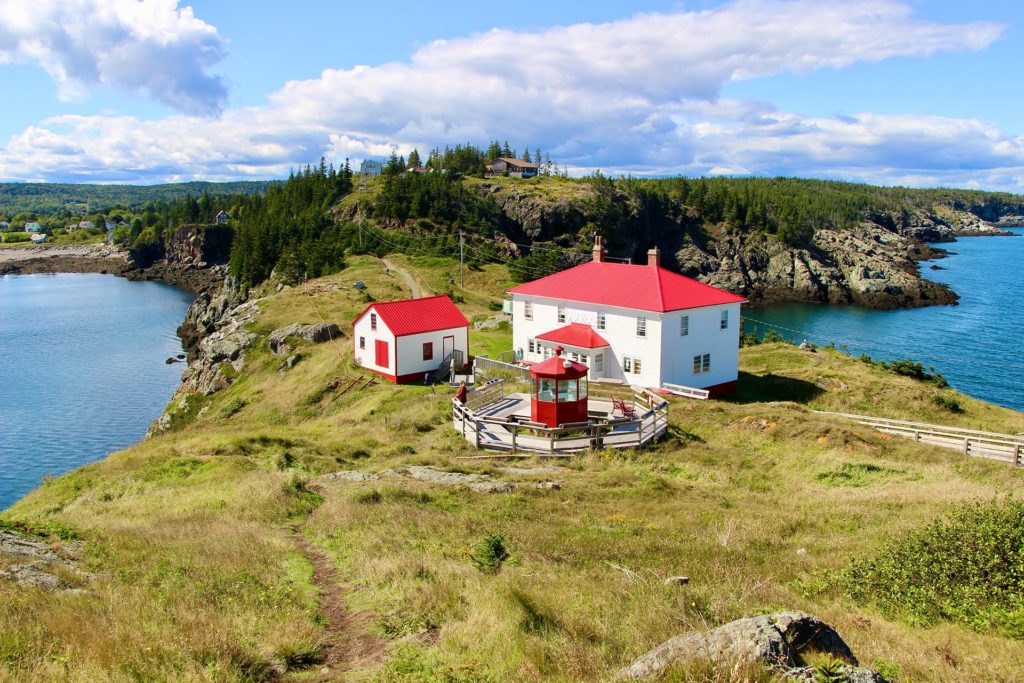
897,92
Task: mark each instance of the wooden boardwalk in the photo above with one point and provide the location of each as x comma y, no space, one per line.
1006,448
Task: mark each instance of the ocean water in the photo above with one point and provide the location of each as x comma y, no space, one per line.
978,345
82,370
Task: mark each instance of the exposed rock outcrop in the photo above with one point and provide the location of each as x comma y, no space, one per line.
316,334
481,483
867,266
38,563
778,640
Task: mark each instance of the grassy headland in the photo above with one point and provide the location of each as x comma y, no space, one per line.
191,535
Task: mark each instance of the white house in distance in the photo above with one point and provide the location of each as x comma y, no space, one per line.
403,340
639,324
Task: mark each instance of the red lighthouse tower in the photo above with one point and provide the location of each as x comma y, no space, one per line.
559,391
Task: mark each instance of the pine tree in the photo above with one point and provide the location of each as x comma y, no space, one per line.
414,159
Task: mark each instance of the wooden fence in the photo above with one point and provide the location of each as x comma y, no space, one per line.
971,442
522,436
486,364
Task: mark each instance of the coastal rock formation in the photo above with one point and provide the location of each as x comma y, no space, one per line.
316,334
867,266
778,640
38,563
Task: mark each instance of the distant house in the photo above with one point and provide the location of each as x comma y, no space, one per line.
370,167
517,168
403,340
419,169
86,225
221,218
4,225
110,225
38,238
33,227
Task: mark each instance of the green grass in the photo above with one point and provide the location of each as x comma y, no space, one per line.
756,499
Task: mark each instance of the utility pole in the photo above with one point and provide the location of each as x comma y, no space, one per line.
462,262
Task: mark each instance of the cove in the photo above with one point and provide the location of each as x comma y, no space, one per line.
82,370
976,345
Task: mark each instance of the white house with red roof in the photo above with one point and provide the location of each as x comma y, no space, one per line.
639,324
403,340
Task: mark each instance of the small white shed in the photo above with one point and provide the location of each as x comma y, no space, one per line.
403,340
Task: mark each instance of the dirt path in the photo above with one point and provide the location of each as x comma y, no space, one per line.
347,641
410,282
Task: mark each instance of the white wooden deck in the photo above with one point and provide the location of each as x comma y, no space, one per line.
498,421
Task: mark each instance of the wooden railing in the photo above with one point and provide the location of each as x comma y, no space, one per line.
491,364
688,392
517,435
971,442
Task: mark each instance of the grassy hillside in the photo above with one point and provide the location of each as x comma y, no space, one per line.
203,541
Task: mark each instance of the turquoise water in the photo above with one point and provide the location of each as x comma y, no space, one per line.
976,345
82,370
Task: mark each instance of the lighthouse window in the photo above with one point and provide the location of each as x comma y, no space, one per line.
567,391
546,390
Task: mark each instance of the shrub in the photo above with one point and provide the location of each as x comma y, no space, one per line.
490,553
948,402
967,568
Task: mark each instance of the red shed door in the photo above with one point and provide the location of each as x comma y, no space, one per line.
382,354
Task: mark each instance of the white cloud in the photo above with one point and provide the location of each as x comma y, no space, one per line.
147,46
639,95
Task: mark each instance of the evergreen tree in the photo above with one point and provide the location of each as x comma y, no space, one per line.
414,159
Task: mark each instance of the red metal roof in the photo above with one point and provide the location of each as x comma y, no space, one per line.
415,316
575,334
558,366
645,288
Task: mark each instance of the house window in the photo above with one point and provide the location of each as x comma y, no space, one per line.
636,366
725,320
362,342
684,326
583,358
561,314
531,345
641,327
528,310
428,350
600,321
373,321
599,362
627,364
701,363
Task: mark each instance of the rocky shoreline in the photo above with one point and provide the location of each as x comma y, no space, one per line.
107,259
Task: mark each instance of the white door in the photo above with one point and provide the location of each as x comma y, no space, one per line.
447,346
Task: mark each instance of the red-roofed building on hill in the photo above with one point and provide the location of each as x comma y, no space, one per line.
403,340
640,324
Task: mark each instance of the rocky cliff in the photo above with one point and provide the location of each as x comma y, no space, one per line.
874,264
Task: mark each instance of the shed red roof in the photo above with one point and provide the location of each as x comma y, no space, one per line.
575,334
645,288
415,316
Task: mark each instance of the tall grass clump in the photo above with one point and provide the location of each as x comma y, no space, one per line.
967,568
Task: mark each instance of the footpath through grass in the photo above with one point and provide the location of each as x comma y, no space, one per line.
758,500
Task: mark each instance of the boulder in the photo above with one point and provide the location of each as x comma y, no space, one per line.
777,640
32,575
316,334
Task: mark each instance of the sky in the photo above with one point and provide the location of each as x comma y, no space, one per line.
897,92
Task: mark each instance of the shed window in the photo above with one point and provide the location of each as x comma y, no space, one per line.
641,327
428,350
373,321
362,342
684,326
701,363
528,310
600,321
725,320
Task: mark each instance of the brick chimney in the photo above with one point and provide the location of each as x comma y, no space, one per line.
654,257
598,249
